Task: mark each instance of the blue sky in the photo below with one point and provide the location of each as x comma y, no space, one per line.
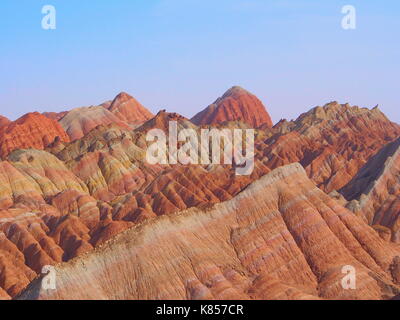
180,55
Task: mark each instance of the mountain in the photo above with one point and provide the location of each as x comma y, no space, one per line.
128,109
55,115
374,192
236,104
239,249
33,130
124,110
283,232
80,121
332,142
4,121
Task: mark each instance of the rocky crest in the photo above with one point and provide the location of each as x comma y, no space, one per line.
128,109
236,104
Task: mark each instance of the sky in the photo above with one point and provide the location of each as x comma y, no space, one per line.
181,55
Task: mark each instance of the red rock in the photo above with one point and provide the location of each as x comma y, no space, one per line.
4,121
374,192
78,122
55,115
288,244
331,142
292,243
128,109
33,130
236,104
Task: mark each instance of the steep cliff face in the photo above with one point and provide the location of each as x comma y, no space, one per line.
236,104
292,243
33,130
374,192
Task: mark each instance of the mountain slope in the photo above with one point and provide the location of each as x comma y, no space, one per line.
128,109
33,130
375,191
236,104
291,244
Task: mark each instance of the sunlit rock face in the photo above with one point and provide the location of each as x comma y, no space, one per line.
292,243
236,104
374,193
33,130
80,195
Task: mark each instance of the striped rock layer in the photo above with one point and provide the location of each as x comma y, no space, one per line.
293,244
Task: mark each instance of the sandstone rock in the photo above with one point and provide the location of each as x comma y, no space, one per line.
4,121
80,121
292,243
30,131
235,104
128,109
57,116
332,142
376,189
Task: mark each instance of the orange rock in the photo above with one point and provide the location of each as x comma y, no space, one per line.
128,109
80,121
375,191
235,104
33,130
4,121
55,115
292,243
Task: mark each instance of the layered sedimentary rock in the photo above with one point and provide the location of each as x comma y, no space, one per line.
4,121
64,202
128,109
292,244
374,192
33,130
236,104
331,142
55,115
80,121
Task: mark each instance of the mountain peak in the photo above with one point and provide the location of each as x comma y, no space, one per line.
122,97
4,121
236,104
128,109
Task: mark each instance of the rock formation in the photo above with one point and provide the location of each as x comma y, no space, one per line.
200,231
235,104
331,142
80,121
128,109
374,192
291,244
4,121
33,130
55,115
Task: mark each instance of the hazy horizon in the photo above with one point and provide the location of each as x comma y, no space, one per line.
182,55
